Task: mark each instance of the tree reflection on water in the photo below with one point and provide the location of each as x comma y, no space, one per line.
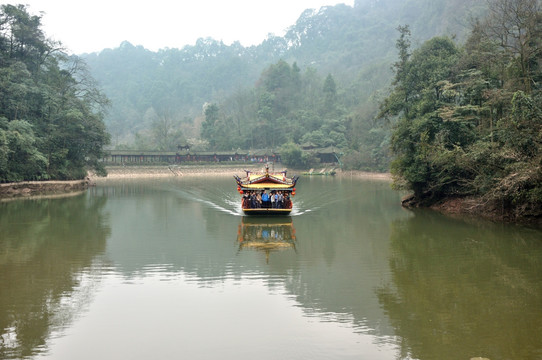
471,291
47,252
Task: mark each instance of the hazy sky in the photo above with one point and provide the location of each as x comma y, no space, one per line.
93,25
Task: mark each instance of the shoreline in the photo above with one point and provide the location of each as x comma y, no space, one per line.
172,171
26,189
32,189
475,207
456,207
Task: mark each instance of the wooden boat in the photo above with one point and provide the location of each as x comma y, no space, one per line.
257,187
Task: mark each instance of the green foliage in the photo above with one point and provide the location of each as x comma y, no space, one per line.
51,114
420,125
292,155
469,120
19,157
279,114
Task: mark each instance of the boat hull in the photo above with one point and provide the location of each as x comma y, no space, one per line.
265,211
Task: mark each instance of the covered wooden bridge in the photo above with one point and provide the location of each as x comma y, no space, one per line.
118,157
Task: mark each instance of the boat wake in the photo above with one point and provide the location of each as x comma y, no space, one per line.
234,210
299,208
296,212
230,202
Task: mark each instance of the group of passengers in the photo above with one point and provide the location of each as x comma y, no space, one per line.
258,199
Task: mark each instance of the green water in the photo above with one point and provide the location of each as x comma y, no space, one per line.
170,269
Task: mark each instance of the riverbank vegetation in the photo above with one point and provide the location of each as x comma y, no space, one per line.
468,118
51,112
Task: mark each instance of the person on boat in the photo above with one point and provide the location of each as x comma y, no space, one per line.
272,199
246,200
281,200
287,201
258,200
253,200
265,200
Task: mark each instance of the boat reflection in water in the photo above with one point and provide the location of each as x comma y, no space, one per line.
267,234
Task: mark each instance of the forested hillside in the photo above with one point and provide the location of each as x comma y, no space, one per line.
320,83
51,113
469,117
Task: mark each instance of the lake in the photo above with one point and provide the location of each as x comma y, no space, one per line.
170,269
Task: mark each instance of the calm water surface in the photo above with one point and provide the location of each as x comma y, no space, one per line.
170,269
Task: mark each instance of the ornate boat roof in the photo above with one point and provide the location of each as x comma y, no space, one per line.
266,180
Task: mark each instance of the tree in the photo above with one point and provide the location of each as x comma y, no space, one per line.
19,156
279,92
420,125
398,101
16,90
330,94
292,155
209,128
516,27
166,133
21,38
53,109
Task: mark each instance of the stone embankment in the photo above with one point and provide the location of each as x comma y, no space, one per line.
139,172
31,188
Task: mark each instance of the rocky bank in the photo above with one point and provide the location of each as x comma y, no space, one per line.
31,188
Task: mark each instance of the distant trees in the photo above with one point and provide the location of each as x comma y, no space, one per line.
469,118
165,134
173,81
287,107
210,128
51,113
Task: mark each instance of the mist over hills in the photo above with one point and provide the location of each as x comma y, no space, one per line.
355,45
